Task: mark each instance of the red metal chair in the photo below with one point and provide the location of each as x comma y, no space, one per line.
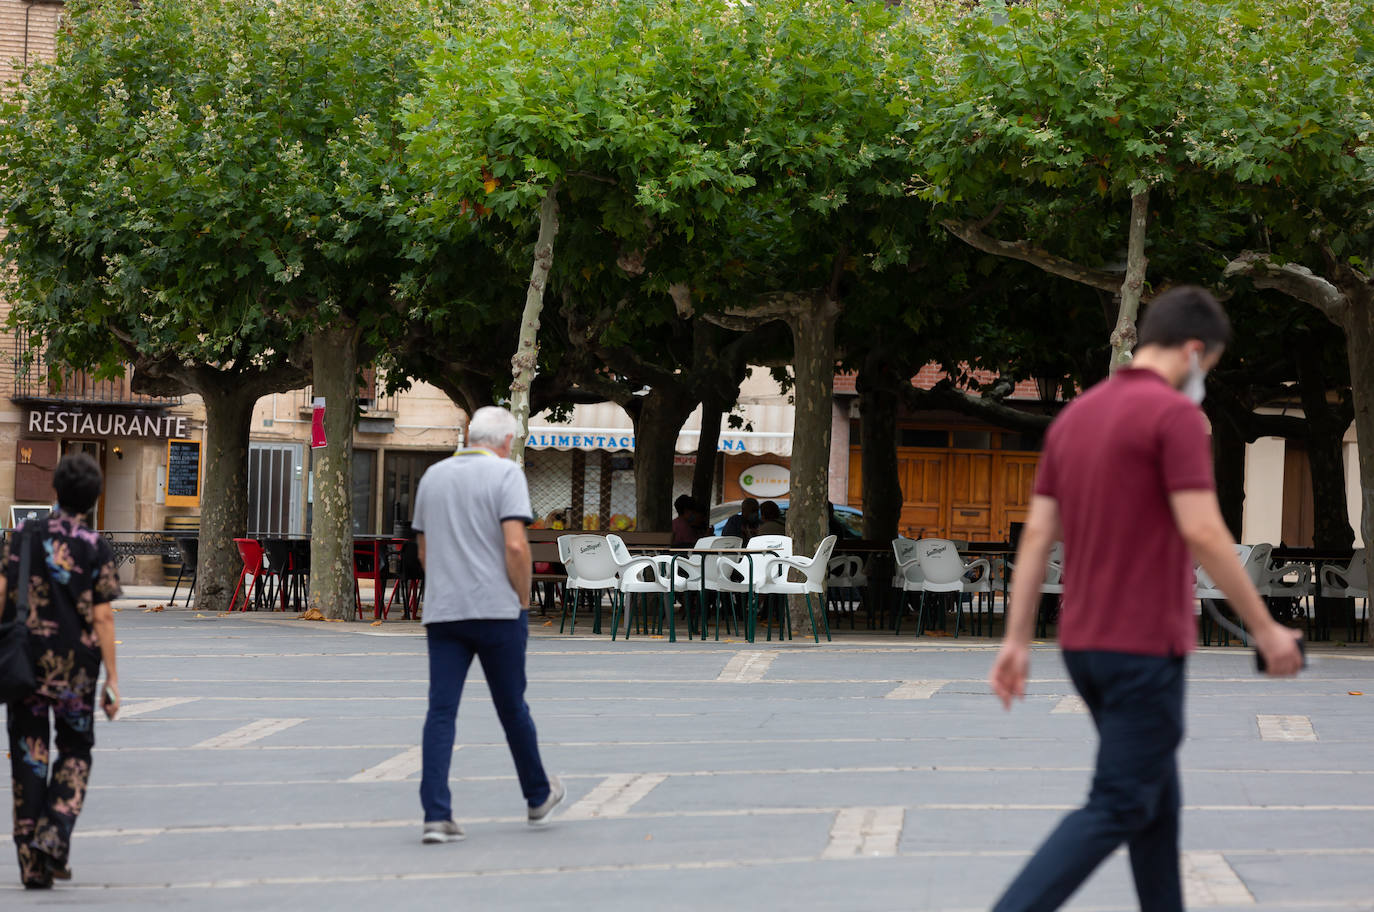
369,560
251,553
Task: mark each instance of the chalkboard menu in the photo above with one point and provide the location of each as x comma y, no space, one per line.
183,473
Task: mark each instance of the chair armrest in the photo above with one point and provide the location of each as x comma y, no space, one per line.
1334,576
974,565
1279,573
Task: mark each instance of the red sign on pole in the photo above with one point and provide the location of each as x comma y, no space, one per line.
317,438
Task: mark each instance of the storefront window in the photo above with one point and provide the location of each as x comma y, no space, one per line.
364,476
402,477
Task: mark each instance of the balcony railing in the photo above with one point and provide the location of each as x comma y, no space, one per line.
36,380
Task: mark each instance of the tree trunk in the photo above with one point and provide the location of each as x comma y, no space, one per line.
813,363
882,485
526,357
661,416
331,529
224,509
708,444
1358,323
1228,454
1325,451
1123,337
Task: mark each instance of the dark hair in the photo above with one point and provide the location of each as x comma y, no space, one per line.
684,503
749,505
78,481
769,511
1184,313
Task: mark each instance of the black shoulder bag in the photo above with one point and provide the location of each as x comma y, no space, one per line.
17,678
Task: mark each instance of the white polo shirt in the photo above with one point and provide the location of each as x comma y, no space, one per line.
460,505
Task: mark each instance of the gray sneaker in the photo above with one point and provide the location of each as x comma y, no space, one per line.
539,816
437,831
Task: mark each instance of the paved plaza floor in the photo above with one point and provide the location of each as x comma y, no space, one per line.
264,763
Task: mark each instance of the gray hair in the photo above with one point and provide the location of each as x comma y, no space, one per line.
490,426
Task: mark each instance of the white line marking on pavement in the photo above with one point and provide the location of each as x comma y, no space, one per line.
747,667
1070,704
142,707
1208,880
865,832
915,690
394,769
615,796
1285,728
247,734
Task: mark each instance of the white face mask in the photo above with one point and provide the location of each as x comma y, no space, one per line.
1195,386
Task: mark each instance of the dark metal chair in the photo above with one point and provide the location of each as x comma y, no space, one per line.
189,546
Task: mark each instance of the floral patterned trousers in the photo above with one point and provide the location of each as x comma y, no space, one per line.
47,795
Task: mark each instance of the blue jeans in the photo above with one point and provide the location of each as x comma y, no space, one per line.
1137,704
500,644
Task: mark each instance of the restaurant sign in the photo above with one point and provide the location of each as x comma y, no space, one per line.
83,423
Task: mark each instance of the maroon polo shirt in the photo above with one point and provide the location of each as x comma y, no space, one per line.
1111,460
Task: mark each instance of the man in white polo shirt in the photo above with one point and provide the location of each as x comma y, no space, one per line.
471,511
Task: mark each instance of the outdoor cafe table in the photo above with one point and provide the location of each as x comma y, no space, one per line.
677,553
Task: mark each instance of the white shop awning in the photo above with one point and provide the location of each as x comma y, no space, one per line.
606,426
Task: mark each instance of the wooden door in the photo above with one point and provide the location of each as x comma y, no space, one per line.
923,490
970,496
1016,486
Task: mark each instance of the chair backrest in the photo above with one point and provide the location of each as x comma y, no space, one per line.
940,560
1204,581
779,544
189,546
904,550
718,541
619,552
1054,564
846,570
820,563
251,552
1358,577
595,563
1257,562
277,554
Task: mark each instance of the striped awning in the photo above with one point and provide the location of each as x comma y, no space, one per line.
607,426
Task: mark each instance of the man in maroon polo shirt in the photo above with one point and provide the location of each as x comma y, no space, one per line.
1125,481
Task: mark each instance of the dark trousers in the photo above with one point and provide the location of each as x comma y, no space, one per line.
500,645
47,795
1137,704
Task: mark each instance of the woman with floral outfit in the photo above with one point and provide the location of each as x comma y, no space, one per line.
72,582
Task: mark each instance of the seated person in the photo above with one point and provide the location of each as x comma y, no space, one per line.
771,517
690,523
745,523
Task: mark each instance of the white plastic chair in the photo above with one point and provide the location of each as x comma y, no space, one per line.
846,574
638,576
746,573
906,574
715,582
596,570
779,582
1205,589
946,571
1051,584
1348,582
689,575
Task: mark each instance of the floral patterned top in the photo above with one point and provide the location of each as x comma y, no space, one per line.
72,569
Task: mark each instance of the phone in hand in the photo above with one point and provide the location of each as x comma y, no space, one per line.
1261,666
108,699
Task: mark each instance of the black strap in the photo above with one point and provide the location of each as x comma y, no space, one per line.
21,594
